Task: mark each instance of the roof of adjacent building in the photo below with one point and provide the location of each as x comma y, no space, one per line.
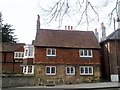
10,47
65,38
114,35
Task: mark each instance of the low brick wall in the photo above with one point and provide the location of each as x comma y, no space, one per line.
16,80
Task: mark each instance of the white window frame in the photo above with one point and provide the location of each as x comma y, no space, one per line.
84,72
19,55
26,69
50,70
51,51
29,51
83,51
70,73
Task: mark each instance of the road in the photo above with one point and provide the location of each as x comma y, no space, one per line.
58,89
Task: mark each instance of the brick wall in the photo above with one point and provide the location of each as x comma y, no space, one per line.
9,64
11,68
65,56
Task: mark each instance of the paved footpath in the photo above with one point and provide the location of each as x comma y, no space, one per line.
82,86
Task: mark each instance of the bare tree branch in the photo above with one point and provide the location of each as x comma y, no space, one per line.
63,7
110,15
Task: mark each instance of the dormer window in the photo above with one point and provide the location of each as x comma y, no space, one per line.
29,51
51,52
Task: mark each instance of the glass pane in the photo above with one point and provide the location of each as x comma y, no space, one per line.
89,53
26,51
22,54
68,70
81,70
16,54
19,54
85,52
48,70
90,70
86,70
48,51
52,69
53,51
81,52
29,69
25,67
72,70
30,52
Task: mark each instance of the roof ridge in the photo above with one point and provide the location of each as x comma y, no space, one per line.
64,30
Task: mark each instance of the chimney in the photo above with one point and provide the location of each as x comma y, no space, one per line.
68,27
65,27
97,34
71,27
103,31
38,22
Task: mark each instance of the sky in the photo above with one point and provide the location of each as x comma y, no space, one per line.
22,15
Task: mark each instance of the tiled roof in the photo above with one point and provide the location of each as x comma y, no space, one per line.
65,38
114,35
10,47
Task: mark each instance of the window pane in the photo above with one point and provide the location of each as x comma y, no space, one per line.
72,70
68,70
25,67
52,69
90,70
81,52
81,70
53,51
22,54
16,54
85,52
19,54
29,69
48,51
89,53
30,52
47,69
86,70
26,52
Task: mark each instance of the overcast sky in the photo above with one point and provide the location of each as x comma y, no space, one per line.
22,14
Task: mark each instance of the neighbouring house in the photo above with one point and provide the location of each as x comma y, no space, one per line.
12,57
62,57
110,61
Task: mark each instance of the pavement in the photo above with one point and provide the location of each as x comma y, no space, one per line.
100,85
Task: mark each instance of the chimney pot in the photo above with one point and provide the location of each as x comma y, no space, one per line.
71,27
68,27
65,27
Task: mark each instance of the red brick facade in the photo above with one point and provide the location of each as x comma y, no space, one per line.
9,63
65,56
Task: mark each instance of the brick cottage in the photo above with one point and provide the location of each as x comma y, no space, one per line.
63,57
